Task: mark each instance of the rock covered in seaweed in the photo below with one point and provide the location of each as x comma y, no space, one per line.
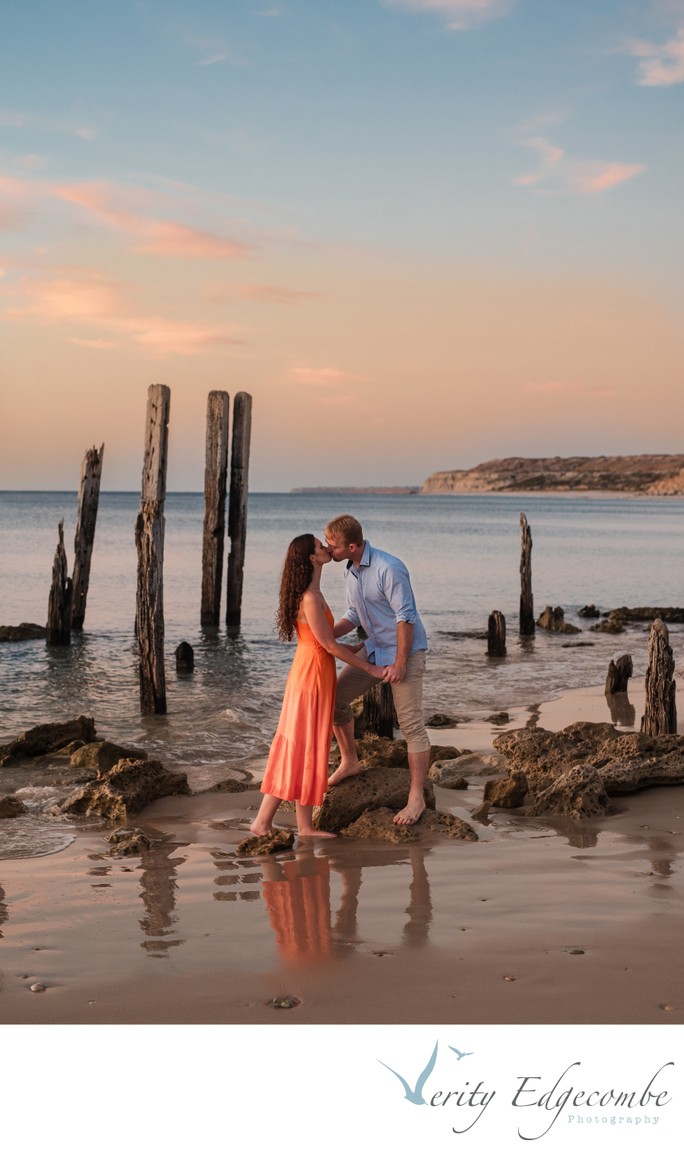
47,738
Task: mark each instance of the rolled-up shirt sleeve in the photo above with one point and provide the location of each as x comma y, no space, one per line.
352,616
397,589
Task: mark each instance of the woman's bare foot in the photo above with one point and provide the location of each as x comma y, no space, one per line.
261,827
344,771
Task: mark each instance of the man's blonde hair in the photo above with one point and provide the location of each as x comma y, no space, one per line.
345,527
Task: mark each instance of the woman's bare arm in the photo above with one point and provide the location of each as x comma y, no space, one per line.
314,614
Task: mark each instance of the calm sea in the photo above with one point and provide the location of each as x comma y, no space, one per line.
463,552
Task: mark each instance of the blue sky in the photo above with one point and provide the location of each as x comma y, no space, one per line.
342,208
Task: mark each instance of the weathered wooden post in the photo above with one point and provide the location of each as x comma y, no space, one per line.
496,635
378,711
59,602
215,483
660,713
237,513
149,541
88,498
526,599
619,674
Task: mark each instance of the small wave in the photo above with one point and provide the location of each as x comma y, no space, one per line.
26,838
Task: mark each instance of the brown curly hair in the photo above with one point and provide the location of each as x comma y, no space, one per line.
296,576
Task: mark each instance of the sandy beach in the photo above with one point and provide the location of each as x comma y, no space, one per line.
540,921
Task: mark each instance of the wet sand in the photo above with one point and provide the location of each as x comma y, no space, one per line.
539,922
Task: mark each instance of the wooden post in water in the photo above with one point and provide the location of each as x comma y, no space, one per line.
496,635
237,513
149,541
660,713
215,483
59,603
378,711
526,600
88,497
619,674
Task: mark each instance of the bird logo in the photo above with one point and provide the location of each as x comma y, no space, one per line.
415,1094
461,1053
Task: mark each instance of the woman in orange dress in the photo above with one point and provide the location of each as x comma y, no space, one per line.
297,767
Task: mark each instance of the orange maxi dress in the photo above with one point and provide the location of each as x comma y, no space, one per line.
297,767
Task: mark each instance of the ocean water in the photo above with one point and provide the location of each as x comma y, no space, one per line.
463,552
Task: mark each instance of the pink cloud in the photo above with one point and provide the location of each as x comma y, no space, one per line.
459,14
158,237
323,376
562,174
559,387
86,300
660,65
270,293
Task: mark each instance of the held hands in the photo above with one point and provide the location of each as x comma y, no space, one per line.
395,673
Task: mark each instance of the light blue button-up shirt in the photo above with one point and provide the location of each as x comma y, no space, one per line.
379,595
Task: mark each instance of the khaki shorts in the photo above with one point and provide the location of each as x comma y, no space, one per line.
407,695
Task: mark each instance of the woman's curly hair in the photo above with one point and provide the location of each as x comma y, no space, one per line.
297,574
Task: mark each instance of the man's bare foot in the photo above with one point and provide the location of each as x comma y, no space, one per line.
411,813
344,771
310,833
259,827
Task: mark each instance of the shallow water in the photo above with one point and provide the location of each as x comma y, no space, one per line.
463,554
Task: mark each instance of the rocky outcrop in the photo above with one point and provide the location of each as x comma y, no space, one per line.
128,841
553,619
374,787
22,632
376,751
11,807
510,792
126,789
378,824
47,738
647,614
608,627
593,757
266,844
643,474
98,758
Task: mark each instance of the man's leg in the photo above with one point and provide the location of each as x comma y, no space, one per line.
351,683
408,701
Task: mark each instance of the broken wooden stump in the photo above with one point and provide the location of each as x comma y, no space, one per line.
88,499
215,486
185,658
237,513
619,674
660,713
526,597
378,711
149,541
58,630
496,635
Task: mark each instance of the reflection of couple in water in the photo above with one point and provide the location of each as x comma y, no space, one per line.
380,601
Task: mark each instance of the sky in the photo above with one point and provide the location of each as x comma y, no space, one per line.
420,233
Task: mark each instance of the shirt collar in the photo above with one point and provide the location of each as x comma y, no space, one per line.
365,558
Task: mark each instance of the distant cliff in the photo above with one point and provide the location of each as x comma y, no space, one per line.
632,474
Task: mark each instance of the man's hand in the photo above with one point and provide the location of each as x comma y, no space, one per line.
395,673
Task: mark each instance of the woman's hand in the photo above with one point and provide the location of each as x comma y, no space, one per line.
378,672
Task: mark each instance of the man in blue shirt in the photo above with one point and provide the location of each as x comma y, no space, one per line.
380,600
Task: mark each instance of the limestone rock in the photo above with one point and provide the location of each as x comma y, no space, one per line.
101,757
377,824
439,719
590,611
553,619
449,825
266,844
232,786
47,738
124,790
543,755
509,793
128,841
373,788
11,807
608,627
579,793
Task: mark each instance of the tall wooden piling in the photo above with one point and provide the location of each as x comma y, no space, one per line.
59,603
237,512
88,498
526,599
660,713
215,485
496,635
149,541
